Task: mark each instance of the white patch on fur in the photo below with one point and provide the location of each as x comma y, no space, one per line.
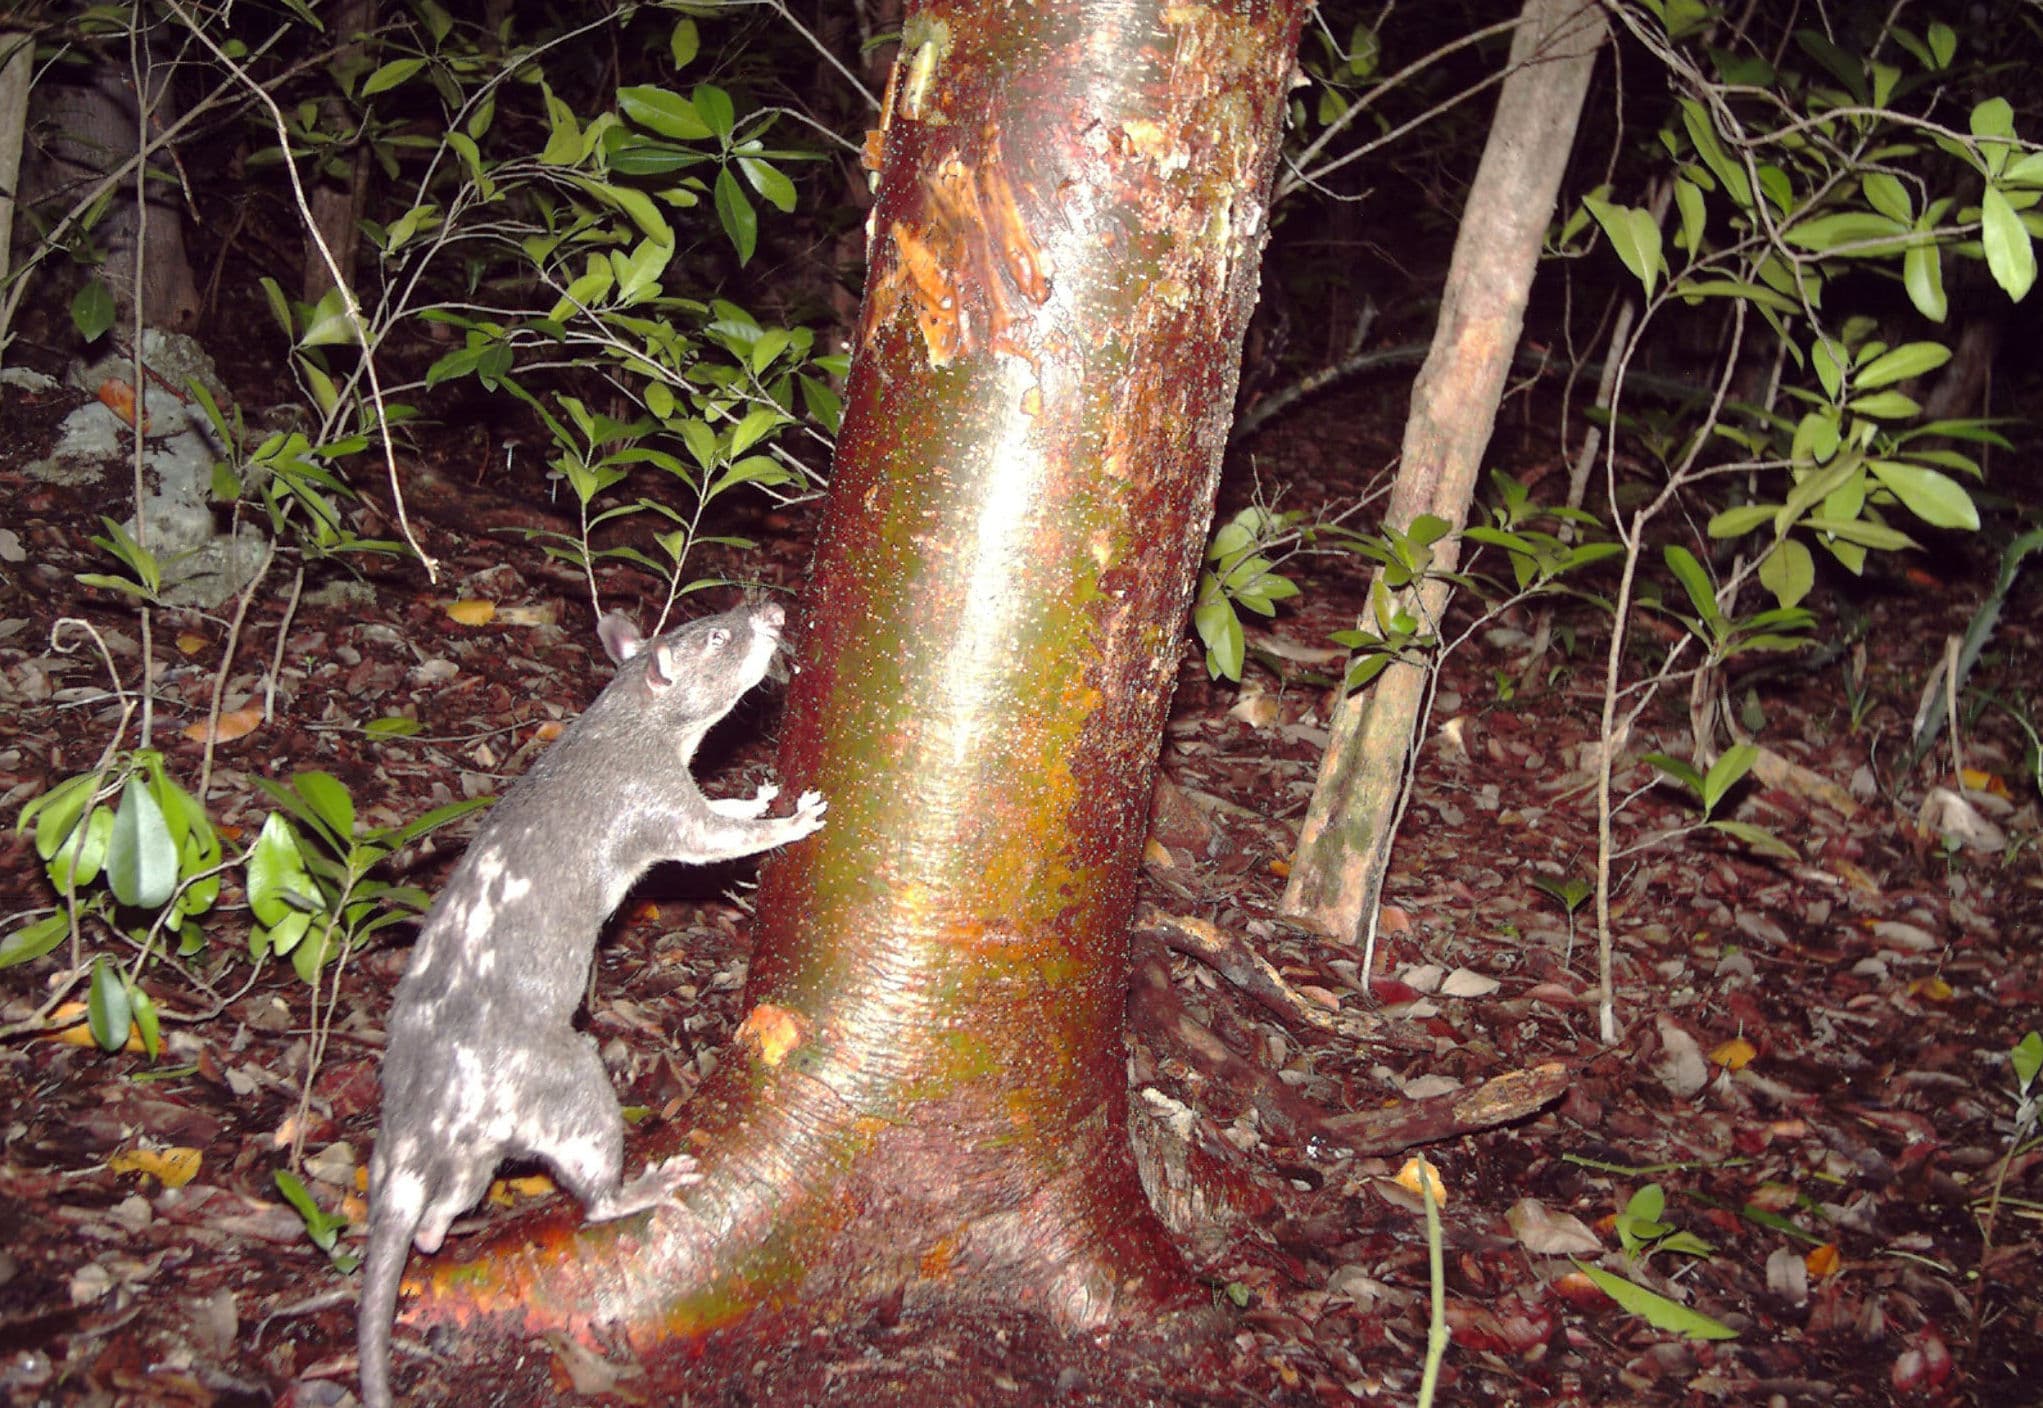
403,1193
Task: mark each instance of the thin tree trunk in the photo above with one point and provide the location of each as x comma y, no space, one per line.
17,65
337,183
930,1090
95,128
1344,846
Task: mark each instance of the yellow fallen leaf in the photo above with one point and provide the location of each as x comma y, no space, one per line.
1417,1168
191,642
1935,989
1980,780
173,1168
1822,1261
1155,853
472,611
532,1185
1281,868
73,1030
1735,1054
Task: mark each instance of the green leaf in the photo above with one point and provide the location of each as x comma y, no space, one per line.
1788,571
714,104
769,182
1688,199
1680,769
1696,121
2010,257
1656,1309
1570,892
1909,359
391,726
136,558
1633,236
683,43
758,423
1220,630
1937,499
1756,294
1886,194
77,863
329,801
1757,837
2026,1059
1922,274
279,887
92,310
321,1226
107,1011
330,324
146,1021
141,865
770,345
739,220
1843,66
1736,522
700,441
308,958
1886,405
390,75
664,112
1695,581
432,821
32,941
1727,772
1863,532
1943,43
1860,233
57,811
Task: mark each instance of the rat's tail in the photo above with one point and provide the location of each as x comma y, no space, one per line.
382,1272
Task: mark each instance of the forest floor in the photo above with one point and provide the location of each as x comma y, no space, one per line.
1800,1134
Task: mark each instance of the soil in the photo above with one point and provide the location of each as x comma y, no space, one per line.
1804,1132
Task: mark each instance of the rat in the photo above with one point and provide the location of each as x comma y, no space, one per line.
483,1061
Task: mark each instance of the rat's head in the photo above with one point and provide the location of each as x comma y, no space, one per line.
699,671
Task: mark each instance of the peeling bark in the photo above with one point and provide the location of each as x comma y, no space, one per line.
930,1093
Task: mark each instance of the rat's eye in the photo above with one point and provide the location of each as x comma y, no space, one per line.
719,638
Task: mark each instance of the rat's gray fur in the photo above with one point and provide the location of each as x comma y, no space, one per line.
483,1061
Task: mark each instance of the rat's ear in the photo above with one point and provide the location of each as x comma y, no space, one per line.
620,637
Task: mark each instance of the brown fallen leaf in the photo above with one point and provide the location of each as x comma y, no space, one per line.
236,723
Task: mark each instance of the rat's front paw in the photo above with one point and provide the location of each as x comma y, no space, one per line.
808,814
747,807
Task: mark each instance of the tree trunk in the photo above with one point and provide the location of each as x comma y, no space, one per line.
929,1092
337,178
17,64
1344,846
96,129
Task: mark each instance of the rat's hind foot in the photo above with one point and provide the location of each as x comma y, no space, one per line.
649,1189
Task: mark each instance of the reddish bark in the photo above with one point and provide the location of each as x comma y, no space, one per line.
930,1091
